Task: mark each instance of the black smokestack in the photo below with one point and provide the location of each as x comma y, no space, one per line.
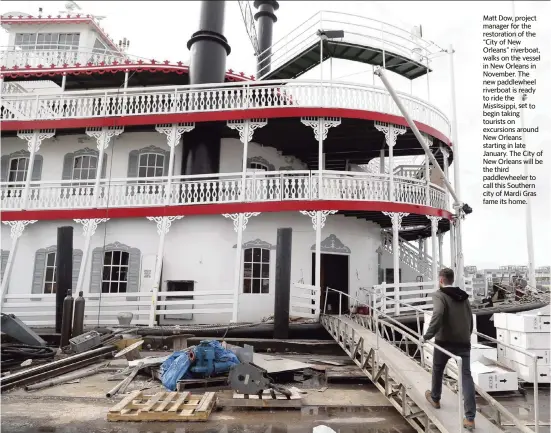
266,19
209,49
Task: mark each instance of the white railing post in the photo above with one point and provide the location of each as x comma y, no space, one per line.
340,303
163,226
536,397
240,221
434,228
17,228
173,134
34,140
103,136
396,218
445,155
429,141
89,227
440,250
391,132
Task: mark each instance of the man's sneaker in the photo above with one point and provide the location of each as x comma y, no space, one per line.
435,404
469,425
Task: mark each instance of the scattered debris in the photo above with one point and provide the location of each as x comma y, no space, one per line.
163,406
65,379
201,382
322,389
85,342
346,373
325,361
268,399
205,360
26,363
53,369
276,365
130,352
121,386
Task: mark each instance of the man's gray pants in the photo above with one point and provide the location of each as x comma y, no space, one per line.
439,365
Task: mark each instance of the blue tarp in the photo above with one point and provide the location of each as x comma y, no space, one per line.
177,366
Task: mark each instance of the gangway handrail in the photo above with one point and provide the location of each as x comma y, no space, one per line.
491,401
415,337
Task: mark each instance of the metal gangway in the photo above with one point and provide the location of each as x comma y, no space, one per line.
391,356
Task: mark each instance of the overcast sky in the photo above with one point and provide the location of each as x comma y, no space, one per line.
493,235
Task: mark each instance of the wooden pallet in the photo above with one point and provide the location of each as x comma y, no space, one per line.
267,400
163,406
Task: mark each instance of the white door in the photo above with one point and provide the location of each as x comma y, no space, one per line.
304,301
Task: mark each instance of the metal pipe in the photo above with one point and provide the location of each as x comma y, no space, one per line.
55,364
66,368
65,378
379,72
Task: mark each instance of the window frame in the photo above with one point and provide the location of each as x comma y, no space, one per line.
250,280
53,282
25,171
28,41
258,166
112,265
158,156
88,169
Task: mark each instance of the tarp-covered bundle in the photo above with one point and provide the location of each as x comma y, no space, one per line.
178,365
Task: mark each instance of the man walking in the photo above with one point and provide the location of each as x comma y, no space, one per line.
452,325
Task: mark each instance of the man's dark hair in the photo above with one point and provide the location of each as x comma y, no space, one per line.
448,275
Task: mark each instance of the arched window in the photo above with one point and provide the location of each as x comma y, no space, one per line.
82,165
85,167
115,271
258,166
151,164
18,169
45,272
50,285
256,270
259,163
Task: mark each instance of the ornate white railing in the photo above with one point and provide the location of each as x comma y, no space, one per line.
222,97
218,188
14,56
417,295
414,171
409,255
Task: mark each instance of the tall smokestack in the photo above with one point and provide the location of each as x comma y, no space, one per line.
266,19
209,49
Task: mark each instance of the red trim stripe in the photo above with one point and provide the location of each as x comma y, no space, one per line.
203,116
217,209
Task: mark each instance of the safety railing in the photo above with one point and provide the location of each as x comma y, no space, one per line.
102,309
409,255
60,55
214,189
381,324
219,97
358,30
499,408
417,293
